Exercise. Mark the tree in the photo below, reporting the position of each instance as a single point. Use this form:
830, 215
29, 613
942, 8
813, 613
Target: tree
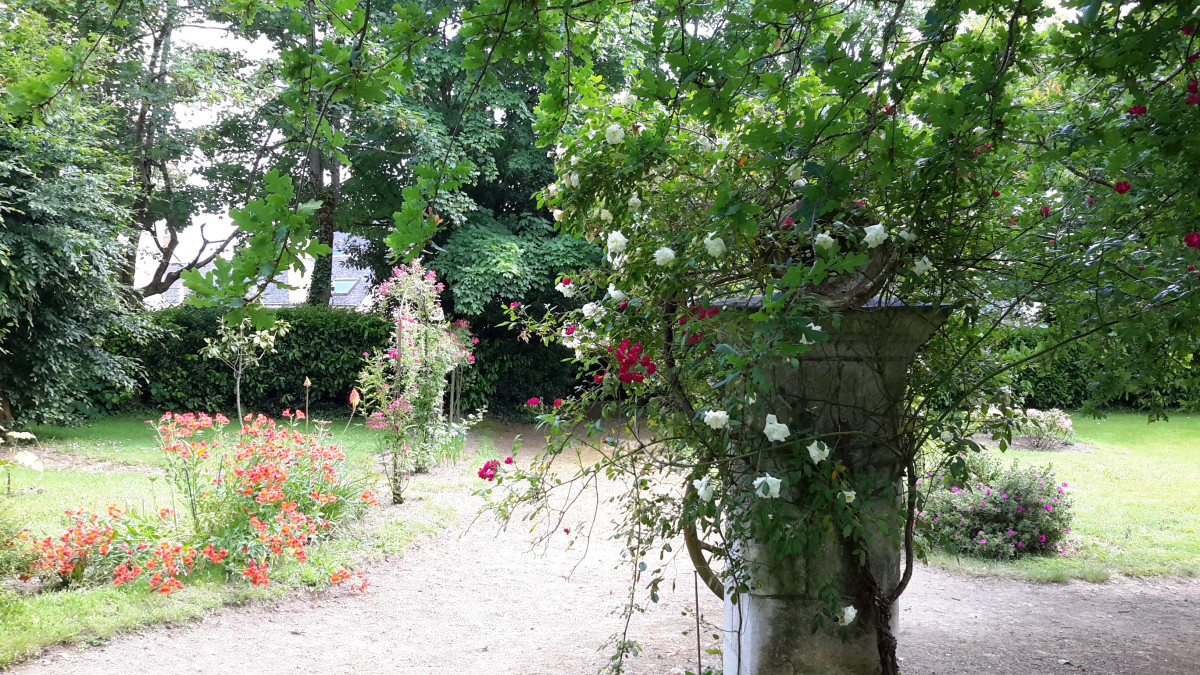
62, 222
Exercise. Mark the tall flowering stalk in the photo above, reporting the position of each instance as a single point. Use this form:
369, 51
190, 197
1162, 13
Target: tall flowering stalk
404, 385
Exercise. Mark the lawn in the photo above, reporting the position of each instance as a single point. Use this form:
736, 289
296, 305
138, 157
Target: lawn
1137, 509
29, 622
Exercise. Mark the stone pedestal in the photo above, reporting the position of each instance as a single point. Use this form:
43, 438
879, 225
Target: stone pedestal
855, 382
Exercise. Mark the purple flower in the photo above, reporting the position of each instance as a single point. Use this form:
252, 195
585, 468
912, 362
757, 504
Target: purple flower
1067, 530
1004, 496
1019, 544
1049, 507
1010, 533
1042, 538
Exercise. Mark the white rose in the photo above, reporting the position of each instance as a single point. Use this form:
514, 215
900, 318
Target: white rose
635, 203
573, 179
574, 160
907, 236
614, 134
664, 256
824, 241
616, 293
559, 214
947, 436
922, 266
625, 98
848, 495
552, 188
715, 246
818, 451
703, 490
592, 310
722, 144
847, 616
606, 215
717, 419
875, 235
767, 486
616, 243
979, 132
775, 430
568, 291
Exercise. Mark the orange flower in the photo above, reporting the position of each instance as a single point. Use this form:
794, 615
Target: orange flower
355, 397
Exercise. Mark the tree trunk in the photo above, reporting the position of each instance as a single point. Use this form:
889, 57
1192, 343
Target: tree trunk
237, 393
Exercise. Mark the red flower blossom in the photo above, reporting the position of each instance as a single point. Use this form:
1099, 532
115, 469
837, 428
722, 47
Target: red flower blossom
1188, 30
1045, 211
570, 330
995, 193
514, 304
599, 377
567, 530
1192, 240
1192, 100
557, 402
355, 397
508, 460
624, 304
488, 470
533, 401
1137, 110
1122, 187
566, 281
1193, 57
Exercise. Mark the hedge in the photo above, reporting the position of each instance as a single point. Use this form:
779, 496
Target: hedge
324, 345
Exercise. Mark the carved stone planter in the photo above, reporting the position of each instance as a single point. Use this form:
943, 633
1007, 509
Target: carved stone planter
855, 382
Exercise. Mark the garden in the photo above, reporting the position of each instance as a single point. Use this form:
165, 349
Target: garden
757, 338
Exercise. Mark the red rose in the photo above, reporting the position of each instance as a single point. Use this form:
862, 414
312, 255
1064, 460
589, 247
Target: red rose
1192, 240
533, 401
557, 402
1193, 87
1122, 187
1137, 110
1045, 211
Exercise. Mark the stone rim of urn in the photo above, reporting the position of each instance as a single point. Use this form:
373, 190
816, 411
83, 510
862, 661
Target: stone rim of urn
851, 385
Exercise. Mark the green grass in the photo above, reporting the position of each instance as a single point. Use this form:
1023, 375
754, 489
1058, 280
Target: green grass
1137, 506
95, 613
129, 440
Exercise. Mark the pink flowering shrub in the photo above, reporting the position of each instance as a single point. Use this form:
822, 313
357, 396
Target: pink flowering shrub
1000, 514
404, 386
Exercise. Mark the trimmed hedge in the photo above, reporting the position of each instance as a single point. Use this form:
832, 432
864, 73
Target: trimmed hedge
324, 345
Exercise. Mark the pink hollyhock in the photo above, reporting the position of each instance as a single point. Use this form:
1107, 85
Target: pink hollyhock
533, 401
1137, 110
1122, 187
1192, 240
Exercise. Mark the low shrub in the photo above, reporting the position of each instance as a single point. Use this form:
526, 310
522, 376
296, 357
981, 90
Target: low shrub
1046, 427
1000, 514
250, 499
15, 555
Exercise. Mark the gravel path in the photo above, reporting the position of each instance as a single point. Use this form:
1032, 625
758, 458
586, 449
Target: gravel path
479, 601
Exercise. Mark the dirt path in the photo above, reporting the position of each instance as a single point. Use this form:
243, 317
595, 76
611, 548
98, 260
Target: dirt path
481, 602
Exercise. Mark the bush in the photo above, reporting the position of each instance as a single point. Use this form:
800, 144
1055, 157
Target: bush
1001, 514
324, 345
247, 502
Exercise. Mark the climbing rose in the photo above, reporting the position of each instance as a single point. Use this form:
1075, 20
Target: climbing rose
848, 495
606, 215
1192, 240
567, 291
824, 241
616, 242
1045, 211
874, 235
774, 430
715, 246
1137, 110
614, 134
664, 256
922, 266
1193, 87
767, 486
818, 451
635, 203
558, 214
1192, 100
717, 419
557, 402
533, 401
947, 436
508, 460
847, 616
703, 490
615, 292
1122, 187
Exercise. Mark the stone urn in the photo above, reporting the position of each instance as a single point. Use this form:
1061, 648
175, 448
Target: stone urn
852, 385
